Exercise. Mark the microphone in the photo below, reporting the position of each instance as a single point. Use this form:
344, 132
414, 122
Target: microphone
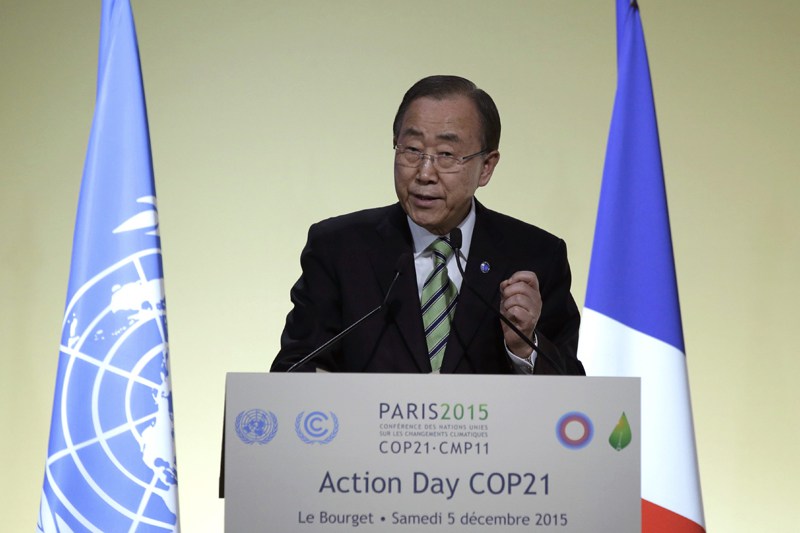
455, 242
398, 270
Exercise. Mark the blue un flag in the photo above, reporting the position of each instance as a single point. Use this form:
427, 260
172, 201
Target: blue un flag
111, 456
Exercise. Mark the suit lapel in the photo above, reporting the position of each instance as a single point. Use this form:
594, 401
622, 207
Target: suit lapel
404, 308
471, 314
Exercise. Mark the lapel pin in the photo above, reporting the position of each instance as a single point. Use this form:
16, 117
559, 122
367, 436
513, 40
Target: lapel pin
485, 267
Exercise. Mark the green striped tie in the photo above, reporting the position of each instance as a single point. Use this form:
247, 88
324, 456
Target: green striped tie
438, 303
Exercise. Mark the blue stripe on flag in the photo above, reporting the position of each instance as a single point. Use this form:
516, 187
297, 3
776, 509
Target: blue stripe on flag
632, 273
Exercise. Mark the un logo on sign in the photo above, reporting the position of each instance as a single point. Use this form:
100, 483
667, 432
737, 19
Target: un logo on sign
256, 426
316, 427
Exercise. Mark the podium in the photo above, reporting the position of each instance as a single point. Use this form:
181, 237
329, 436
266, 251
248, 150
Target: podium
438, 453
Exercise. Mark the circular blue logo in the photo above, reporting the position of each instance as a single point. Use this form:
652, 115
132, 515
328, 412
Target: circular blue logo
316, 427
574, 430
256, 426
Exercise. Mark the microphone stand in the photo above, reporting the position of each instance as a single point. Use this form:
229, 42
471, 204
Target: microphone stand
337, 337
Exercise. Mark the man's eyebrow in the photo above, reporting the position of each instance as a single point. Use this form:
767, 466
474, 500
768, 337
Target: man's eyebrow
450, 137
446, 136
411, 132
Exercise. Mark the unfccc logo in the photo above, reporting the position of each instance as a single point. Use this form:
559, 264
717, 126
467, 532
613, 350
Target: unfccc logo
574, 430
316, 427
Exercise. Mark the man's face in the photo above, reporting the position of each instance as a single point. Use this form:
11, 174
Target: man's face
440, 201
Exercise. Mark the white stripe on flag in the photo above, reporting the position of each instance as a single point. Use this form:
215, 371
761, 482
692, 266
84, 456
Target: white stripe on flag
669, 468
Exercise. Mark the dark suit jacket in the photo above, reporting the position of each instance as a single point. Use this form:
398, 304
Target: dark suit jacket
349, 262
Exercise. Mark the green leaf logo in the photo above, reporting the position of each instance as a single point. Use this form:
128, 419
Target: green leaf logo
621, 436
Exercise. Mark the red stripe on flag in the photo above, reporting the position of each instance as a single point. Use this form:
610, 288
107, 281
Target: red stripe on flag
656, 519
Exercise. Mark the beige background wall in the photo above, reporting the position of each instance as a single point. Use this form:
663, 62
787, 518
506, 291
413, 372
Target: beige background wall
266, 116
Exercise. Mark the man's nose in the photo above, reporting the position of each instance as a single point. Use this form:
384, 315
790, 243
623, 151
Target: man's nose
427, 172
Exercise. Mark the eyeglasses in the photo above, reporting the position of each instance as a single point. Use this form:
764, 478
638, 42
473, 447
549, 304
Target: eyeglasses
413, 158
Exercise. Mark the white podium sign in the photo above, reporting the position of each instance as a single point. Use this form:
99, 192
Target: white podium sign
431, 453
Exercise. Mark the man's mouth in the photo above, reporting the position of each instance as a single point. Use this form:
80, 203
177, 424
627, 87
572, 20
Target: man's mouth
424, 197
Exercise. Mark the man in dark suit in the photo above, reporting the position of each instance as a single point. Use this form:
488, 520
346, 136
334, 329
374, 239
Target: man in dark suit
446, 136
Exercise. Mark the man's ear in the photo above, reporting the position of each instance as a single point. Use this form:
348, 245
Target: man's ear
489, 164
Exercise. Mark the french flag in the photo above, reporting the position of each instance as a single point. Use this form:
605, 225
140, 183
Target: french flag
631, 320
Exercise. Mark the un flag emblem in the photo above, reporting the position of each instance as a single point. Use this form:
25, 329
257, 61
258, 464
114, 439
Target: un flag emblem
256, 426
